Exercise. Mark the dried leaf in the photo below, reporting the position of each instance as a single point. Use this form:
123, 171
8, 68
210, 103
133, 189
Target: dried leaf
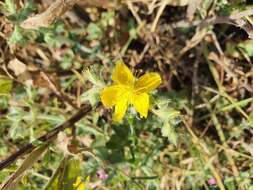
86, 140
17, 66
63, 143
191, 9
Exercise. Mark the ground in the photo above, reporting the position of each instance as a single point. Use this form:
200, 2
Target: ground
57, 57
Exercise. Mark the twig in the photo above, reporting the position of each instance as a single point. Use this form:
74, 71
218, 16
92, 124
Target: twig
134, 12
192, 8
51, 85
158, 15
47, 137
235, 19
105, 4
57, 91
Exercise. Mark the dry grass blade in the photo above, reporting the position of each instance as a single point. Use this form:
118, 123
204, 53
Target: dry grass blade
159, 13
47, 137
194, 41
236, 19
192, 8
105, 4
28, 163
206, 154
63, 142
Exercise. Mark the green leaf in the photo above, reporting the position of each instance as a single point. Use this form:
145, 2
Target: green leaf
93, 76
169, 132
72, 171
65, 176
133, 33
67, 59
224, 7
116, 143
16, 130
107, 18
94, 32
23, 13
167, 114
246, 47
117, 156
120, 139
91, 95
122, 131
18, 36
230, 183
4, 102
54, 180
9, 7
5, 86
169, 118
164, 111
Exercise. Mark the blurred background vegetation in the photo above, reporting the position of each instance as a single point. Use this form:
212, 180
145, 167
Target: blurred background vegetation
56, 56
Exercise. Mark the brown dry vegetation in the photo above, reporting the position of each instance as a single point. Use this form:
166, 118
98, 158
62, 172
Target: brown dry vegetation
202, 50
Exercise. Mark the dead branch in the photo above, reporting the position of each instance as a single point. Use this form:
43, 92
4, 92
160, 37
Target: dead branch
46, 18
51, 135
236, 19
58, 8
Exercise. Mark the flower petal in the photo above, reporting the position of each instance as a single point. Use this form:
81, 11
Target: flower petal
147, 82
120, 109
122, 75
79, 184
141, 104
110, 95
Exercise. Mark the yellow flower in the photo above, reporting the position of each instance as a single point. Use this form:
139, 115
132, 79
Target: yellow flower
126, 90
79, 184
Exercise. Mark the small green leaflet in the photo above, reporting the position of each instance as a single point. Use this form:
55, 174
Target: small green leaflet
169, 131
169, 119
